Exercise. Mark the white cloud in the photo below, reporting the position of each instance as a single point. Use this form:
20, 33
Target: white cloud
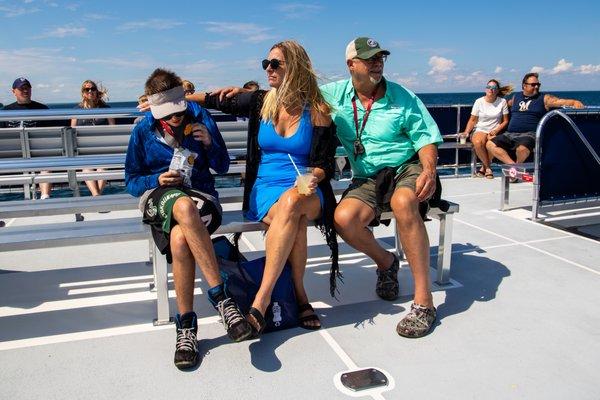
11, 12
217, 45
498, 70
537, 69
252, 33
410, 82
440, 65
197, 67
122, 62
298, 10
589, 69
561, 66
97, 16
154, 24
63, 32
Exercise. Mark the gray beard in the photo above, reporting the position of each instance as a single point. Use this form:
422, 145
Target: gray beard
374, 81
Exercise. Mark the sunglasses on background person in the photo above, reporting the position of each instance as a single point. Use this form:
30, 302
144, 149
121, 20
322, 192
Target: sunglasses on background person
492, 87
88, 90
538, 84
177, 114
274, 63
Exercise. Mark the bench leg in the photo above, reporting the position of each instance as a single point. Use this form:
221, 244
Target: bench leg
504, 190
163, 316
444, 249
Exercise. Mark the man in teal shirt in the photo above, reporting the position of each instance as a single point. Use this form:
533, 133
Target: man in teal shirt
391, 142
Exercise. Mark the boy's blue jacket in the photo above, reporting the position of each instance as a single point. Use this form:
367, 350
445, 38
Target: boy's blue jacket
148, 156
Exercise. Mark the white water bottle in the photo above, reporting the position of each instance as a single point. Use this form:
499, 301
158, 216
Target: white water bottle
276, 314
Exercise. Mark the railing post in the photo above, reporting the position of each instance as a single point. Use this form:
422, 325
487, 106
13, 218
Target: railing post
68, 138
28, 188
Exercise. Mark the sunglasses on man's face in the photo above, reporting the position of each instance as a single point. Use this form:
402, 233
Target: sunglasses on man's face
536, 84
274, 63
90, 89
177, 114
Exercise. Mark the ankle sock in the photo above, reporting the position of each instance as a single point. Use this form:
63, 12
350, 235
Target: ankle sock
188, 320
217, 294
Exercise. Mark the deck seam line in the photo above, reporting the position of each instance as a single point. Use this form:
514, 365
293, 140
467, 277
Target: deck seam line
337, 349
531, 247
493, 193
545, 226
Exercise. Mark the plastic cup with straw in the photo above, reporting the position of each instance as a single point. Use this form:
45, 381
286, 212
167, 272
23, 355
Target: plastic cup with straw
303, 179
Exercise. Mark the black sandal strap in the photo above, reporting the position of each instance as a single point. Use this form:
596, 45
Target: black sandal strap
305, 307
259, 318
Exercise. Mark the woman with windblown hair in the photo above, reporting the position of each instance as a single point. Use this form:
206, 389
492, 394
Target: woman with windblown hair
288, 124
93, 96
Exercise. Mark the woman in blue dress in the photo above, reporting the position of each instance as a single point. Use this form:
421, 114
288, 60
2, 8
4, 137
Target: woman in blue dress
289, 122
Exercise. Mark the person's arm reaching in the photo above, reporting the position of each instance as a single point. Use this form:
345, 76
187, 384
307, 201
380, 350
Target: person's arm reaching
551, 101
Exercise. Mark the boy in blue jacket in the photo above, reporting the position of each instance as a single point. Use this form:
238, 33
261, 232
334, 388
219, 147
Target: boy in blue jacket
168, 159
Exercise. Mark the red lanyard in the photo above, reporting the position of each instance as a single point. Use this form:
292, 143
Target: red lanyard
367, 112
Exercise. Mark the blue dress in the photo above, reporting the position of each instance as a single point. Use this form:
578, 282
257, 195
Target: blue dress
276, 174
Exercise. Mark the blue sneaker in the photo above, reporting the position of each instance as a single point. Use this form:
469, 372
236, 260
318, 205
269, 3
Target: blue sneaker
186, 347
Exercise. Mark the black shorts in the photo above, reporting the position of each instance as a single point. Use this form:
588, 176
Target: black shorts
509, 141
158, 209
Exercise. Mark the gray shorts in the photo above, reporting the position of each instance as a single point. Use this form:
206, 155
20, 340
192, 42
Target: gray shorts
364, 189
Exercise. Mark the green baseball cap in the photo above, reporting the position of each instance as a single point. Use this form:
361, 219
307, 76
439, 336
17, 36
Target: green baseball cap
363, 48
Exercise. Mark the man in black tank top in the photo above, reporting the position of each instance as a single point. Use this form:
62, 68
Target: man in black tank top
526, 111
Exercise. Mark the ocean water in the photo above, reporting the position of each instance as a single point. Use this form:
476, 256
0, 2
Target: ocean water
591, 98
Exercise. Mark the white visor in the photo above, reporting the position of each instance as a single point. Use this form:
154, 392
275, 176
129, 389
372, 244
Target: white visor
168, 102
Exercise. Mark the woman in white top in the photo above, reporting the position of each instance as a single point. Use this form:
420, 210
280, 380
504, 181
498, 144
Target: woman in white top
489, 117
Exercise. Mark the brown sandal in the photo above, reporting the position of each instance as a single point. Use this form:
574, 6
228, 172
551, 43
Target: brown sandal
256, 321
305, 321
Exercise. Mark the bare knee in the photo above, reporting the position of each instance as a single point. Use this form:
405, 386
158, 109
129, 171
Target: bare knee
405, 206
178, 242
522, 151
184, 209
344, 219
291, 204
479, 140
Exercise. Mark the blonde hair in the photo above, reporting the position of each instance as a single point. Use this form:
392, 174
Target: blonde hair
502, 90
100, 99
187, 85
299, 87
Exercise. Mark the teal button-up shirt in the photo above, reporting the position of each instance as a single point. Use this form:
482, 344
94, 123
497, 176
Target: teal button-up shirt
398, 126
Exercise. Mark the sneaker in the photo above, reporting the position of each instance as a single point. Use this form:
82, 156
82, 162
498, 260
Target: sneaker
186, 347
387, 281
418, 322
237, 327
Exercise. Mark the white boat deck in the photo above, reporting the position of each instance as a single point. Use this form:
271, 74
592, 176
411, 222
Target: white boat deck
520, 320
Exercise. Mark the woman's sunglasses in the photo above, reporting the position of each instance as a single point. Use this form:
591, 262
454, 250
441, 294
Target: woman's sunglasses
177, 114
492, 87
88, 90
275, 63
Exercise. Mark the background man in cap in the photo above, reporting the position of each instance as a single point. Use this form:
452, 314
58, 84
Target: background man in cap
391, 142
167, 164
526, 110
21, 88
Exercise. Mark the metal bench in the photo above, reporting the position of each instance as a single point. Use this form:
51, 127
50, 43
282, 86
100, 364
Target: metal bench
522, 171
127, 229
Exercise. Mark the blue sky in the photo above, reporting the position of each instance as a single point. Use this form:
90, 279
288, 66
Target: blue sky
436, 46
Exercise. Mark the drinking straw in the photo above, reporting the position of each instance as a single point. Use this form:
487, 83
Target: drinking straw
294, 164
